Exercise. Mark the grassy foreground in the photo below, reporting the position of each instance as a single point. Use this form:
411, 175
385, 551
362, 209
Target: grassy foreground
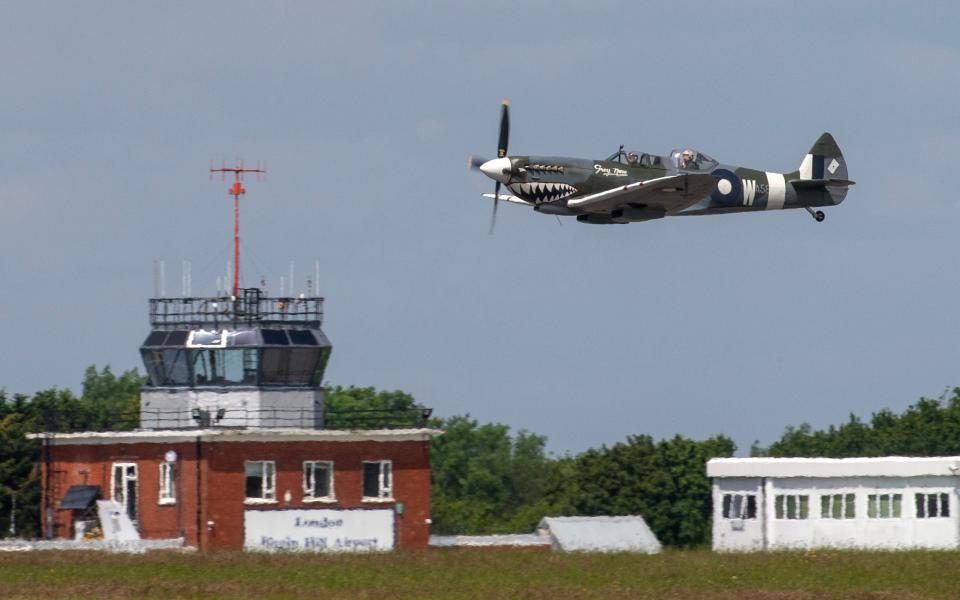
481, 574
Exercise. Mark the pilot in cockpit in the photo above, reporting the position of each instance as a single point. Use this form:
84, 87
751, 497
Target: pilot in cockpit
632, 159
688, 160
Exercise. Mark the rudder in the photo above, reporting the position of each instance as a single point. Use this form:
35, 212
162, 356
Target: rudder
824, 161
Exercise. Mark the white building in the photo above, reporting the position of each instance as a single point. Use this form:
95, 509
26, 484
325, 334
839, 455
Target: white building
877, 503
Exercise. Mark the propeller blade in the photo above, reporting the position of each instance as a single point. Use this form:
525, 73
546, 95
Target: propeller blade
504, 129
475, 162
496, 200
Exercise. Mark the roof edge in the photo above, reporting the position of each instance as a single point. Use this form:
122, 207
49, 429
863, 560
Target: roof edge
168, 436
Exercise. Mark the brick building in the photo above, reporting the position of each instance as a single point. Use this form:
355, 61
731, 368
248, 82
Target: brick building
231, 450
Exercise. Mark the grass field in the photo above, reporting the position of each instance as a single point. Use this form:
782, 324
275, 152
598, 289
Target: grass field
481, 574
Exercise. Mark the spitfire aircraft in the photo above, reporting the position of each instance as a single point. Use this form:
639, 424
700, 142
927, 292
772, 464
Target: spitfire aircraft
629, 186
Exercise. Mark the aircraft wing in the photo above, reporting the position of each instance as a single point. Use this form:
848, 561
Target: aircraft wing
670, 194
509, 198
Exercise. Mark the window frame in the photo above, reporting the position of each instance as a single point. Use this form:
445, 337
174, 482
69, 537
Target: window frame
268, 484
124, 500
747, 505
384, 481
783, 508
167, 484
309, 495
894, 505
941, 502
843, 504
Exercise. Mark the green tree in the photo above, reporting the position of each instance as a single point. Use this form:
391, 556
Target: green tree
19, 469
366, 408
930, 427
485, 480
665, 482
110, 402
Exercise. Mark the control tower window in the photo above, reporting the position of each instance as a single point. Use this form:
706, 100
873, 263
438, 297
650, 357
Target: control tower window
274, 337
289, 366
302, 338
177, 338
225, 367
167, 367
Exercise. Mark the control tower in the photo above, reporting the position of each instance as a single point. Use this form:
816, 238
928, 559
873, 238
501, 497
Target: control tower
241, 360
246, 361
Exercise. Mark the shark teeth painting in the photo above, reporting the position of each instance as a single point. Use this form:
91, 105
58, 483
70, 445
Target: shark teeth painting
538, 193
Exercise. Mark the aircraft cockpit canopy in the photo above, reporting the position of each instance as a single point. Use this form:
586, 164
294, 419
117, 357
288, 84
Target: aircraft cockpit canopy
634, 158
688, 159
642, 159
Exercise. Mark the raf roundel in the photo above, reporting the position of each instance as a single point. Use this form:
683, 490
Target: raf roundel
729, 191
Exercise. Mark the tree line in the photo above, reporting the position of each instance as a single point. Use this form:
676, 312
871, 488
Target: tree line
485, 478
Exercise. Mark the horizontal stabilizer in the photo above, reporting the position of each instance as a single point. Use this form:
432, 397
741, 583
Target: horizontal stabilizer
808, 184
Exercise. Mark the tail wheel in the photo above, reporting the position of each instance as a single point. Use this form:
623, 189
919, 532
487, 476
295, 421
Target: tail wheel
819, 216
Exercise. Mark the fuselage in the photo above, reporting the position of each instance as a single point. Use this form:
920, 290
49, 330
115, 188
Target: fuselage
549, 183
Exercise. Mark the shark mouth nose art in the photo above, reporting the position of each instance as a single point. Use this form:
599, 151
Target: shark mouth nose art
543, 192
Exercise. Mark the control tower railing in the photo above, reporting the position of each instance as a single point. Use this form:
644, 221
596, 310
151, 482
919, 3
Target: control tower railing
250, 308
70, 421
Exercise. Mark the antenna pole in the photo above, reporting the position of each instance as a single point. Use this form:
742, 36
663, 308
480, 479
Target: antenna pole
237, 190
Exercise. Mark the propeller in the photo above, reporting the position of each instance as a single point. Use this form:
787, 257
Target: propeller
493, 170
502, 141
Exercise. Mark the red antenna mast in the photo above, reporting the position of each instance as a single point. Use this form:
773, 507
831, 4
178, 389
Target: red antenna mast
236, 190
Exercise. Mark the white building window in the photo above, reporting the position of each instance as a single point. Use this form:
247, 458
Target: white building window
931, 506
168, 489
124, 487
261, 485
378, 480
792, 506
318, 481
838, 506
739, 506
884, 506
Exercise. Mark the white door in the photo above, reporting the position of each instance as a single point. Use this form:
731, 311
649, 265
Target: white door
125, 487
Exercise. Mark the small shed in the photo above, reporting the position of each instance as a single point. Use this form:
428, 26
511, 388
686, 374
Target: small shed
600, 534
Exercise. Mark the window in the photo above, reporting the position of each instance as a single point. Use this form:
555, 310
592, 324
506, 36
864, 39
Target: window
168, 490
792, 506
318, 480
739, 506
378, 480
884, 506
124, 487
261, 480
931, 506
837, 506
225, 367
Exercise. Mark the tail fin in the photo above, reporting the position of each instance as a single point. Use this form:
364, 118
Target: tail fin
824, 162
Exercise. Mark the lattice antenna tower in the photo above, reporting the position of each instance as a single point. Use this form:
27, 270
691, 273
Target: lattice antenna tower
236, 190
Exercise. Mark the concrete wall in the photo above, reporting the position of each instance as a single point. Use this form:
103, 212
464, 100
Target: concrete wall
171, 408
815, 531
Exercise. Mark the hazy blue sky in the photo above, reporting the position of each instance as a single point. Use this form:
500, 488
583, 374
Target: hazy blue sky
366, 115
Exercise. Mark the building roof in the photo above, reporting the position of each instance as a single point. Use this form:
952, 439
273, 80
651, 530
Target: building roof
170, 436
601, 534
80, 497
513, 540
879, 466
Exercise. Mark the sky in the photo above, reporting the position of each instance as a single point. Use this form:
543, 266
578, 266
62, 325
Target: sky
366, 113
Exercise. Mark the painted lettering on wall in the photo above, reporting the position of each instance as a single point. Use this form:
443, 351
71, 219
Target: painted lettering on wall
320, 530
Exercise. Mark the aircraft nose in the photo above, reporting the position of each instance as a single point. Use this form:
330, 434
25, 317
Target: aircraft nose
494, 169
